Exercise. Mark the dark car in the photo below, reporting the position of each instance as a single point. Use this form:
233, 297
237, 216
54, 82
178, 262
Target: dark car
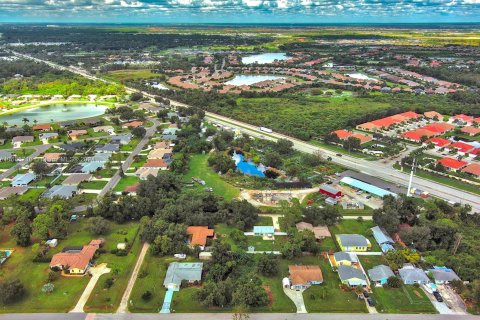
370, 302
438, 296
338, 154
365, 294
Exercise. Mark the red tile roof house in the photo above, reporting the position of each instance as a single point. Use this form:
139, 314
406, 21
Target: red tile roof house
471, 131
343, 134
461, 119
199, 235
417, 135
304, 276
156, 163
462, 147
473, 169
75, 262
133, 124
439, 142
433, 115
439, 128
452, 164
42, 127
74, 134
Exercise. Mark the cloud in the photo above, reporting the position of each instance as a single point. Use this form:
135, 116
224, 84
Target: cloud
270, 9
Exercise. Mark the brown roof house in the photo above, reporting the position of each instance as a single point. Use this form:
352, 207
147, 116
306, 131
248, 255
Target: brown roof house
321, 232
199, 235
302, 277
75, 260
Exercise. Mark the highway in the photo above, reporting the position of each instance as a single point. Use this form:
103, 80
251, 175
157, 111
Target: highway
228, 316
373, 168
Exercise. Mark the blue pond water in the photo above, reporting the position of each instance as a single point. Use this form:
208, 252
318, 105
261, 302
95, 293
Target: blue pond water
265, 58
248, 167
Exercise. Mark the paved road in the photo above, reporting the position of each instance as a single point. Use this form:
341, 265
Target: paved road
123, 307
38, 151
376, 169
128, 162
228, 316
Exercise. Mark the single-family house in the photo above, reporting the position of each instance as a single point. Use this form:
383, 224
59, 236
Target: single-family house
6, 156
439, 142
351, 276
472, 169
156, 163
380, 274
412, 275
44, 137
75, 179
7, 192
343, 258
263, 231
304, 276
122, 138
74, 134
452, 164
383, 239
133, 124
170, 134
462, 147
53, 157
74, 146
74, 261
461, 119
353, 242
107, 148
23, 179
19, 140
443, 275
320, 232
61, 191
143, 172
42, 127
470, 130
198, 235
433, 115
107, 129
178, 272
91, 167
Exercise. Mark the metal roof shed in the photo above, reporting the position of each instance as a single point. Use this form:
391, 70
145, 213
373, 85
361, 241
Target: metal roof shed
379, 192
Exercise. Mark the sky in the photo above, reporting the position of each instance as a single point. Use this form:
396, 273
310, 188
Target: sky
240, 11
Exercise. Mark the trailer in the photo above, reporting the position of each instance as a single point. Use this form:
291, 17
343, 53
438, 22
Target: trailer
266, 130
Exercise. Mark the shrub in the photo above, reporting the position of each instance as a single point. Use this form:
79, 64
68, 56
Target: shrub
394, 282
52, 276
108, 283
147, 296
11, 291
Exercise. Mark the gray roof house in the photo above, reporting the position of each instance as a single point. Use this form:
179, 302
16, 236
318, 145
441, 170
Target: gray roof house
122, 138
23, 179
343, 257
6, 155
100, 157
353, 242
384, 240
380, 274
89, 167
170, 134
443, 275
412, 275
351, 276
108, 148
47, 135
61, 191
177, 272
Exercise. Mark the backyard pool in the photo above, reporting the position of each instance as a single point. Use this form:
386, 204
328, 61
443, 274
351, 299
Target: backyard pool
264, 58
248, 167
55, 112
8, 253
249, 79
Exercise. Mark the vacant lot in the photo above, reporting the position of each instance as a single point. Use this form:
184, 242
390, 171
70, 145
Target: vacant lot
131, 74
407, 299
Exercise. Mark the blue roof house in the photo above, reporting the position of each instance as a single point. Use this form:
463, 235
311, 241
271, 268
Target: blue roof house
23, 179
383, 239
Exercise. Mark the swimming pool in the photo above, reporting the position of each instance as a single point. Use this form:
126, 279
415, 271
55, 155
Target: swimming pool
248, 167
8, 252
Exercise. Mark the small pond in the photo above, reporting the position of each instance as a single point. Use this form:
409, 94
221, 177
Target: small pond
249, 79
264, 58
56, 112
248, 167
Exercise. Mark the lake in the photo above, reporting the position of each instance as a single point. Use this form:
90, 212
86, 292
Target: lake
56, 112
264, 58
248, 79
248, 167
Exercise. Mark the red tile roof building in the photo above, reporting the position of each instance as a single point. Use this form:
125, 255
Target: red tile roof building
343, 134
473, 169
199, 235
416, 135
433, 114
471, 131
133, 124
76, 262
439, 128
462, 147
305, 275
452, 164
440, 142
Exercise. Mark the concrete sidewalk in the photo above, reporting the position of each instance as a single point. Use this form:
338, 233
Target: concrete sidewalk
96, 273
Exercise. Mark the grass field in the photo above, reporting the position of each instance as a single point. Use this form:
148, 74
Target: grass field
126, 182
107, 300
131, 74
199, 168
407, 299
94, 185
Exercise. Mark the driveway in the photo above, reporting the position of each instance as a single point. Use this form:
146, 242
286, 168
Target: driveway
297, 298
441, 307
123, 307
452, 299
96, 273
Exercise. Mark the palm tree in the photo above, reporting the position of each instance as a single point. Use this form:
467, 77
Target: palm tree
25, 120
35, 121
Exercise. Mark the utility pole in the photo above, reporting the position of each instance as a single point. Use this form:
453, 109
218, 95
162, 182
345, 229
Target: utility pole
409, 191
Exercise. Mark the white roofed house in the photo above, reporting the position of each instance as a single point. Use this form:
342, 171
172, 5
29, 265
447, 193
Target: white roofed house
44, 137
23, 179
19, 140
412, 275
443, 275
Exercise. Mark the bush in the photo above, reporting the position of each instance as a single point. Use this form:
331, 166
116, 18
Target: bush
98, 225
147, 296
108, 283
394, 282
52, 276
11, 291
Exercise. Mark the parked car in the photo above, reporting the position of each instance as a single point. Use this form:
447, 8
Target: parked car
338, 154
438, 296
365, 294
370, 302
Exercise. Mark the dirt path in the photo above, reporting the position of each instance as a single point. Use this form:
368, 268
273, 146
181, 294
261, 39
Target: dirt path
96, 273
300, 194
123, 307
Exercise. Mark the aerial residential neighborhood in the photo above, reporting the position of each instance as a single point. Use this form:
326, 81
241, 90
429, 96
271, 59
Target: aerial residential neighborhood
239, 160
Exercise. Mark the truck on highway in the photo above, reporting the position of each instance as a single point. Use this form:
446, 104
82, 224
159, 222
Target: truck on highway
266, 130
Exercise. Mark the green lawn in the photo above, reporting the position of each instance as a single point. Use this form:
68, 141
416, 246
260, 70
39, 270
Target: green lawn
266, 245
95, 185
199, 168
328, 297
264, 221
368, 262
107, 300
353, 226
407, 299
7, 164
126, 182
131, 74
